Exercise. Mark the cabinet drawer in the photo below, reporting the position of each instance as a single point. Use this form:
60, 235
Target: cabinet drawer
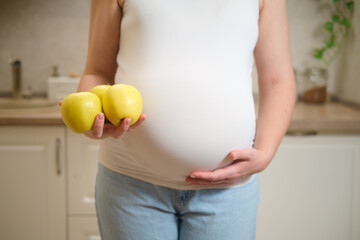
82, 168
83, 228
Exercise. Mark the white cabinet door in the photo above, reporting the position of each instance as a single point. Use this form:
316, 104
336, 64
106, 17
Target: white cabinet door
83, 228
311, 190
32, 183
83, 164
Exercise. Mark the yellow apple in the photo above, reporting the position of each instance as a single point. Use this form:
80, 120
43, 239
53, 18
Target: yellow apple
122, 101
99, 90
79, 110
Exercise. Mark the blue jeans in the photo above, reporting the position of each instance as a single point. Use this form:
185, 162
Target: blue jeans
131, 209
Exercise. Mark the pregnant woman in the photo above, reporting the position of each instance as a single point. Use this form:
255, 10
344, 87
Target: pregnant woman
189, 171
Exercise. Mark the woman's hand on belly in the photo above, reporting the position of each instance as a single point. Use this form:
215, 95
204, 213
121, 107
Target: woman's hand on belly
103, 130
246, 162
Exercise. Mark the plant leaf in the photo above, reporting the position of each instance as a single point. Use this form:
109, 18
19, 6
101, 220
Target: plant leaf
330, 43
335, 18
346, 22
318, 53
350, 5
335, 1
328, 26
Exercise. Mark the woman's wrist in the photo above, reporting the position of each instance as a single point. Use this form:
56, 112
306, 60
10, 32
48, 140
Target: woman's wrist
267, 155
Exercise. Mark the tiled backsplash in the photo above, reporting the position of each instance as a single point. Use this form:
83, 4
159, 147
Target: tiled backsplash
41, 34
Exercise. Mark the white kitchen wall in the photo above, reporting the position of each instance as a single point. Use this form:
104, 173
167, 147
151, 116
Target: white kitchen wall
348, 71
306, 19
43, 33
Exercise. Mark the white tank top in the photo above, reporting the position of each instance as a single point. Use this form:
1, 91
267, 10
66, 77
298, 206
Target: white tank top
192, 63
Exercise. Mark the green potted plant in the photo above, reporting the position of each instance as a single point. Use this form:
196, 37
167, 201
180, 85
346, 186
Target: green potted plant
336, 29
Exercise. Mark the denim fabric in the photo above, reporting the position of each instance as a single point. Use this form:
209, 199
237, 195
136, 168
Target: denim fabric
131, 209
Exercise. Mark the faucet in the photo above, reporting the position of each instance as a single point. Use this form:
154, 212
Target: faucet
16, 72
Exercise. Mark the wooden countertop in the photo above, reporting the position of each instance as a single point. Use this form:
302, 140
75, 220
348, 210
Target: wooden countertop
332, 117
40, 116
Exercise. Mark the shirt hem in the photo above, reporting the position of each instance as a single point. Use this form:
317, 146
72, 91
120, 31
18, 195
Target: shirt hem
185, 186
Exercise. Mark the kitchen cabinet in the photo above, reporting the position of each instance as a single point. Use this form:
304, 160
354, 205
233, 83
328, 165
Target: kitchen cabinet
82, 168
32, 183
83, 228
311, 190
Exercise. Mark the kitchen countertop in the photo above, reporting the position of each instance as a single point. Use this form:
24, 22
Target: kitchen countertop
332, 117
40, 116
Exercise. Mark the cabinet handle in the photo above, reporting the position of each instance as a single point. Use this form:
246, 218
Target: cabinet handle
57, 161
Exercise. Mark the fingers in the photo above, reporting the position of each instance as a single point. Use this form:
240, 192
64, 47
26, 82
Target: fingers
139, 121
122, 128
217, 177
245, 163
231, 174
241, 154
102, 130
97, 130
125, 126
215, 183
60, 102
232, 171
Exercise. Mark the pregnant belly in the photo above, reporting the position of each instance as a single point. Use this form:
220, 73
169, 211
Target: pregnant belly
193, 135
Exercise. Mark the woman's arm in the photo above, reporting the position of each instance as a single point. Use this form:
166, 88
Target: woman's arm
277, 89
276, 99
104, 36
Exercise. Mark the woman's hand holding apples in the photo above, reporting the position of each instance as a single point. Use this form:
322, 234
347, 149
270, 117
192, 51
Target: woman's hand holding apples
121, 105
103, 130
